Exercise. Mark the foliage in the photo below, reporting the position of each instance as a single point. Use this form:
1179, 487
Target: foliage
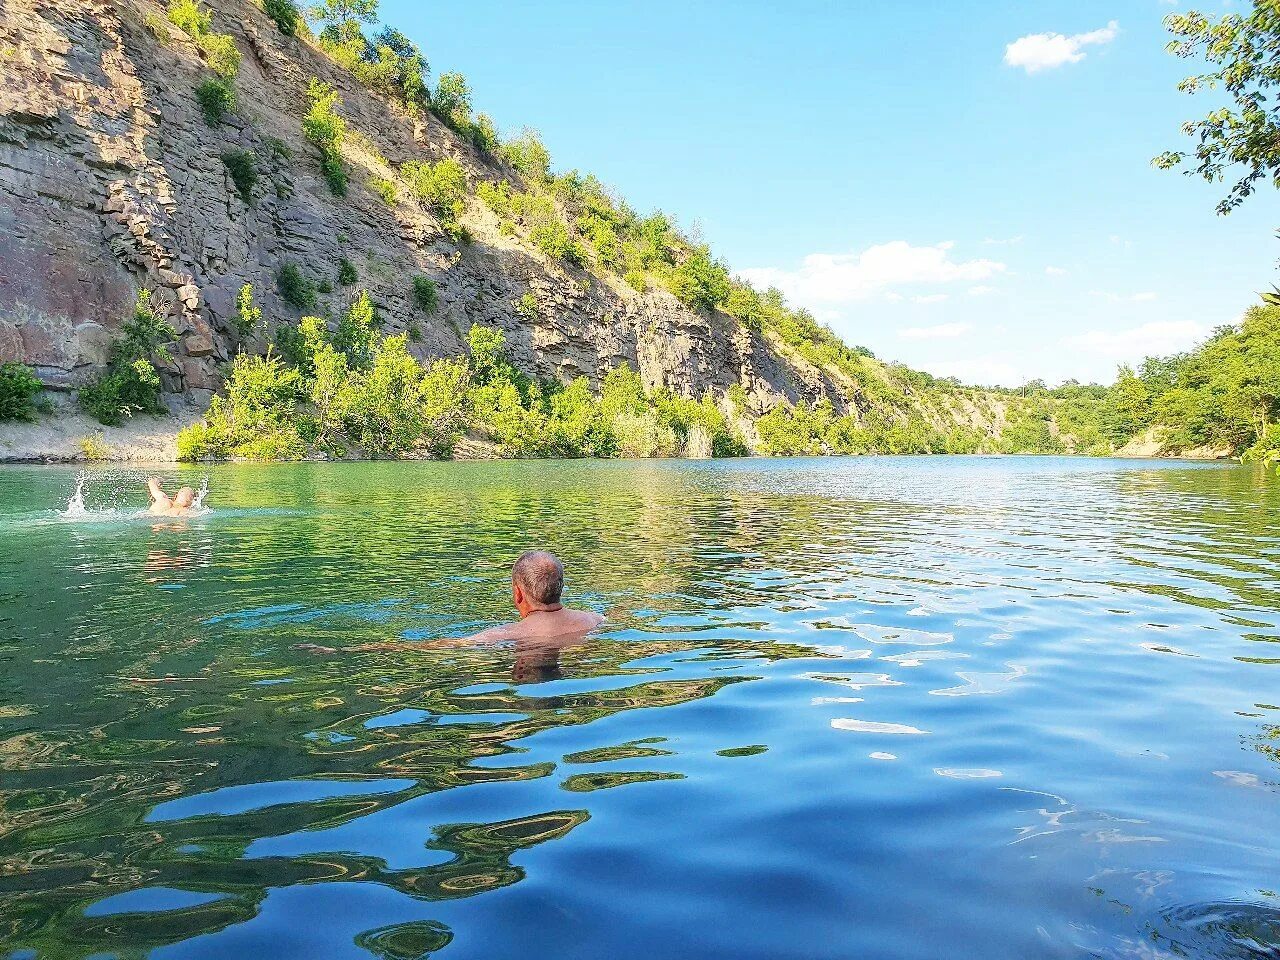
326, 129
340, 13
357, 333
347, 274
242, 168
256, 420
19, 387
94, 449
248, 315
384, 188
190, 16
527, 154
216, 98
699, 281
442, 186
222, 54
131, 383
284, 13
452, 100
1243, 53
425, 296
294, 288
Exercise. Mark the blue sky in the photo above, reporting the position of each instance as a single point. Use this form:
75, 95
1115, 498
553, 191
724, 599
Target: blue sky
952, 202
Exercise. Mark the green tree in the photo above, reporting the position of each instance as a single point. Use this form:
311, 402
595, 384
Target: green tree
452, 99
19, 386
131, 383
1243, 54
341, 13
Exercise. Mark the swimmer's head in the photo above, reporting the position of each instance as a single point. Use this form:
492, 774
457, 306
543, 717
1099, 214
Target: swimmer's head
537, 579
184, 498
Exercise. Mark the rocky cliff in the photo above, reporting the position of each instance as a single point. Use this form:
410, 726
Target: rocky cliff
111, 182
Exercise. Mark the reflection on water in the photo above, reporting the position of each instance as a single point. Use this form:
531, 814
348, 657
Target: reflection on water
1020, 707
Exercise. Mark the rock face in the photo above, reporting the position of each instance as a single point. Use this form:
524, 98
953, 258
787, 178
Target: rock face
112, 182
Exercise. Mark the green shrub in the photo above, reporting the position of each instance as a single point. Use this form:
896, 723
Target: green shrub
284, 13
248, 315
442, 186
357, 333
190, 16
242, 168
326, 129
384, 188
699, 281
157, 28
217, 98
131, 383
222, 53
637, 280
425, 296
452, 100
256, 420
528, 155
294, 288
19, 386
527, 306
347, 272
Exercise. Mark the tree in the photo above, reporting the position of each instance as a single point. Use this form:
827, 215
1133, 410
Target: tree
340, 13
1245, 137
453, 99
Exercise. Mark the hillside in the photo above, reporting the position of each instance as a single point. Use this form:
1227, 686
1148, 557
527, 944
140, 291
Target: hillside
117, 180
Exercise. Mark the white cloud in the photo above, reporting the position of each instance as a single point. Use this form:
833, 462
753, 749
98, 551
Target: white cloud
1056, 271
981, 290
1157, 337
1044, 51
930, 298
1142, 296
1002, 241
835, 278
942, 331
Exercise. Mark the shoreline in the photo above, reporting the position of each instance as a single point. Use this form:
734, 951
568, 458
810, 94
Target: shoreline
76, 439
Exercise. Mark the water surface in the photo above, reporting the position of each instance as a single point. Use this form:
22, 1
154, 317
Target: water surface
874, 708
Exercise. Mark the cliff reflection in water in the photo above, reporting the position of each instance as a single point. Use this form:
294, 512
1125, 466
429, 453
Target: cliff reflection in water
163, 737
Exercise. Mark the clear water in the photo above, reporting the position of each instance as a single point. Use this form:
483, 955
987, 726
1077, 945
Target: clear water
874, 708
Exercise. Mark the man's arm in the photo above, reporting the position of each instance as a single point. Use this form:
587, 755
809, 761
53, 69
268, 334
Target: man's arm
158, 496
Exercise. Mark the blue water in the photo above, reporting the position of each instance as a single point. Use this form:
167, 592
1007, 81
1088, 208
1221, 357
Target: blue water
875, 708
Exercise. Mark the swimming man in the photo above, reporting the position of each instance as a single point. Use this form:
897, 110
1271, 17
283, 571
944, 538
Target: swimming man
537, 582
164, 506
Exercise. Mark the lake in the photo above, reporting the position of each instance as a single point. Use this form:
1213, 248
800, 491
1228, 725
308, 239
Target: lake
873, 708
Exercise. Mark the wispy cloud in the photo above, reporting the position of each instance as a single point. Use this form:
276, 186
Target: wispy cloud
1142, 296
835, 278
981, 290
941, 331
1045, 51
1002, 241
1056, 271
1157, 337
930, 298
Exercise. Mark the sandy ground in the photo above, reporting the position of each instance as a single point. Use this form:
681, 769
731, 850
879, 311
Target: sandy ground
72, 437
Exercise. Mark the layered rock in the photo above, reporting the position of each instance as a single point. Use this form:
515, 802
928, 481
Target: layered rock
111, 182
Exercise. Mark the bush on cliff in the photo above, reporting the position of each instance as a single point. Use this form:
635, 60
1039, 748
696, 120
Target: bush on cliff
294, 288
326, 129
131, 383
19, 386
217, 98
284, 13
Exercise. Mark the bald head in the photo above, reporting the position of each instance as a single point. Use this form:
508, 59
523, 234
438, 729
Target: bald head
184, 497
540, 577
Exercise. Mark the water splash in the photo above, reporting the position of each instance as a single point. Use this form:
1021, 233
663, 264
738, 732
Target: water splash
201, 493
75, 509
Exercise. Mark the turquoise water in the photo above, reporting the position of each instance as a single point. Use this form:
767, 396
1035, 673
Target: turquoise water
881, 708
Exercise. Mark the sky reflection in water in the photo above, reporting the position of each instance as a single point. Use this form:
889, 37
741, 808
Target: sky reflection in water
882, 707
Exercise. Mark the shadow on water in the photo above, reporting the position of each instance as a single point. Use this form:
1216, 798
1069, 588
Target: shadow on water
1019, 703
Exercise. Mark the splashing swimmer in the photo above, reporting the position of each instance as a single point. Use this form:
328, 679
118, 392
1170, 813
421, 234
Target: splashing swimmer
162, 505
